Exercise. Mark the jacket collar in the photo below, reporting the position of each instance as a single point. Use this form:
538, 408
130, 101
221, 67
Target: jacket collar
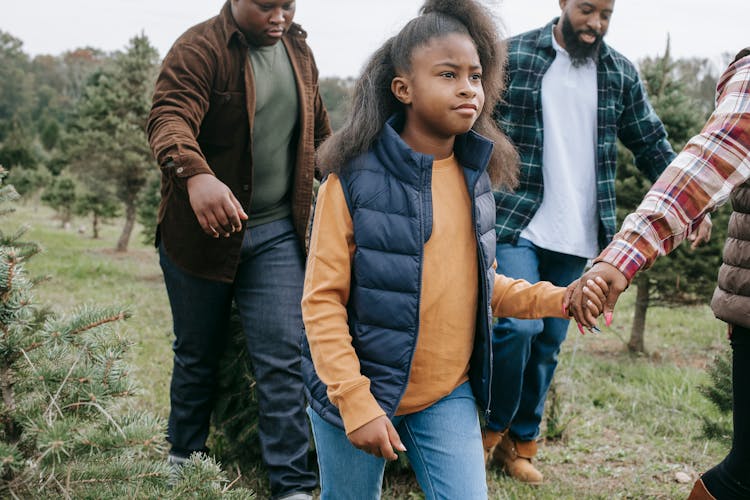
472, 151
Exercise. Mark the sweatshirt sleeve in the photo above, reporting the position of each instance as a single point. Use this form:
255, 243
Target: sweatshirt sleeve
515, 298
326, 293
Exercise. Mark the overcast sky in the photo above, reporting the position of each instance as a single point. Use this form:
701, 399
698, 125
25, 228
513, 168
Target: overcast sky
343, 33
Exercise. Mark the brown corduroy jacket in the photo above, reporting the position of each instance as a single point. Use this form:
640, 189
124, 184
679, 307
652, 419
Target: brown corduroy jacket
201, 121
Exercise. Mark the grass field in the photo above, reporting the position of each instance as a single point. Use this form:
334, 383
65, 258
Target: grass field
627, 424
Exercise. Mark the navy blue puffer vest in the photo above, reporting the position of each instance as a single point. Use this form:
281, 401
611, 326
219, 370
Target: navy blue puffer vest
388, 191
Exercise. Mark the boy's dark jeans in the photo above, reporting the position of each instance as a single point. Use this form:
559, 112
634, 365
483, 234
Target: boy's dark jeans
267, 290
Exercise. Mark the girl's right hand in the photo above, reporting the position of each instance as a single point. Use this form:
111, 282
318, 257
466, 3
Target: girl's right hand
378, 438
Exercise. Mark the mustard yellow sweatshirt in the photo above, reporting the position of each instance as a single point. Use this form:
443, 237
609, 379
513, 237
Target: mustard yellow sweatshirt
448, 307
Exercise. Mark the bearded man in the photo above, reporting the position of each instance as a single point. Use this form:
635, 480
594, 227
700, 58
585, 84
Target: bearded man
569, 98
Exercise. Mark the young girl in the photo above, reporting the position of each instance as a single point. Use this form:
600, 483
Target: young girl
400, 286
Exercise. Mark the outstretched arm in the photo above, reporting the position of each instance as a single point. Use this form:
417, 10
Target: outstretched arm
702, 176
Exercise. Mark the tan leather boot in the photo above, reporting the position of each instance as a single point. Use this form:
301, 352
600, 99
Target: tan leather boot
515, 459
490, 439
700, 492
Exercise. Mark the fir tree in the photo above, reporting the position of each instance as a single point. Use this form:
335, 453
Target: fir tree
105, 143
66, 428
719, 393
61, 195
685, 276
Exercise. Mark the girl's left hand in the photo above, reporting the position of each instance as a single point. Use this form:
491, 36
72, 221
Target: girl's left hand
593, 297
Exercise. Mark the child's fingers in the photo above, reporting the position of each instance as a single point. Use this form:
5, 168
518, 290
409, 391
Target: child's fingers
590, 312
394, 438
586, 316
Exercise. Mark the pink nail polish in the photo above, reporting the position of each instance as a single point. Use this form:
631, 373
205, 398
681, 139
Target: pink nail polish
608, 317
580, 328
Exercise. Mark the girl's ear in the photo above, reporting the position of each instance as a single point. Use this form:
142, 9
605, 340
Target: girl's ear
401, 89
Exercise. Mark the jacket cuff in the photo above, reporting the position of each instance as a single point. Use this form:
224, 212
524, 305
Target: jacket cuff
554, 305
358, 407
184, 167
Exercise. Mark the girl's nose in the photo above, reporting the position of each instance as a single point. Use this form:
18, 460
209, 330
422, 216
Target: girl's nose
467, 90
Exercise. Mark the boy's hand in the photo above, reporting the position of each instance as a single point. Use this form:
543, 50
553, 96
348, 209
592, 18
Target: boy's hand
218, 211
378, 438
593, 297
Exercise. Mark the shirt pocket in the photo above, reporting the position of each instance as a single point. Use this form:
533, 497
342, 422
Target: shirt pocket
226, 120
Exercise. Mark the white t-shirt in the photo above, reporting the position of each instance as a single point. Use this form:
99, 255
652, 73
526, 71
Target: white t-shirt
567, 220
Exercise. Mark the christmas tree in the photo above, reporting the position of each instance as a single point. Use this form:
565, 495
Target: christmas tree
67, 427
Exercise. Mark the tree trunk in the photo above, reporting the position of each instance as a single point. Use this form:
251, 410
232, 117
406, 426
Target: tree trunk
122, 243
636, 343
95, 226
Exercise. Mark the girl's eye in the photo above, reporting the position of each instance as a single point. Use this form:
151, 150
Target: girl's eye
476, 76
448, 74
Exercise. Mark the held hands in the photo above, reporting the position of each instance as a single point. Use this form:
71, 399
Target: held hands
602, 277
378, 438
218, 211
593, 295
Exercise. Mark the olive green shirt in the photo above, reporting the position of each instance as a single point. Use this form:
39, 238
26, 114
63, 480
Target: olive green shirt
275, 125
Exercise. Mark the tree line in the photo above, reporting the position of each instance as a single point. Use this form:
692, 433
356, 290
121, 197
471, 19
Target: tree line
72, 136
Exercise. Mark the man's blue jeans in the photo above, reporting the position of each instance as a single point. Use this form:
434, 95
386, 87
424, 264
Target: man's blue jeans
525, 351
267, 290
443, 443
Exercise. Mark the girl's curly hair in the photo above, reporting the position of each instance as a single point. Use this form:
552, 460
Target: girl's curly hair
373, 102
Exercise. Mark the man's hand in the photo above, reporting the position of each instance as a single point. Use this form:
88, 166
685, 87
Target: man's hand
702, 234
615, 281
218, 211
378, 438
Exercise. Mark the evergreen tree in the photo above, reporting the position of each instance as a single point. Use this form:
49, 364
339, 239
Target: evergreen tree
66, 428
719, 393
685, 276
61, 196
105, 140
148, 209
16, 86
98, 206
336, 94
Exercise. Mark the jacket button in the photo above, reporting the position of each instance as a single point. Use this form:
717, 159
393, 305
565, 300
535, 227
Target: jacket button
180, 170
246, 187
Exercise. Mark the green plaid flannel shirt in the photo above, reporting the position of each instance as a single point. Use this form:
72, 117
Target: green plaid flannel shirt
623, 112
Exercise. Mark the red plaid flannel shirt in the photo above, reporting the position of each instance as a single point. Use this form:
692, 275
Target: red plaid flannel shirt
699, 179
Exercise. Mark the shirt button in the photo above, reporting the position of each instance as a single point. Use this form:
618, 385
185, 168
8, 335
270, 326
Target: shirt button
180, 170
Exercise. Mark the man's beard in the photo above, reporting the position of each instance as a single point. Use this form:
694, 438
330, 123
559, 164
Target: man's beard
580, 52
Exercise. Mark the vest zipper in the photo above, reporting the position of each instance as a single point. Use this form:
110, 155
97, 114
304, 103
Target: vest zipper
487, 298
421, 267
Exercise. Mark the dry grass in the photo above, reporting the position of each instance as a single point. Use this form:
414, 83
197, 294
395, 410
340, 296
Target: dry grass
629, 423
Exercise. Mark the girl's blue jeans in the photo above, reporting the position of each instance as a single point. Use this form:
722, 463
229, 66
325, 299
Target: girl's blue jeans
443, 443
